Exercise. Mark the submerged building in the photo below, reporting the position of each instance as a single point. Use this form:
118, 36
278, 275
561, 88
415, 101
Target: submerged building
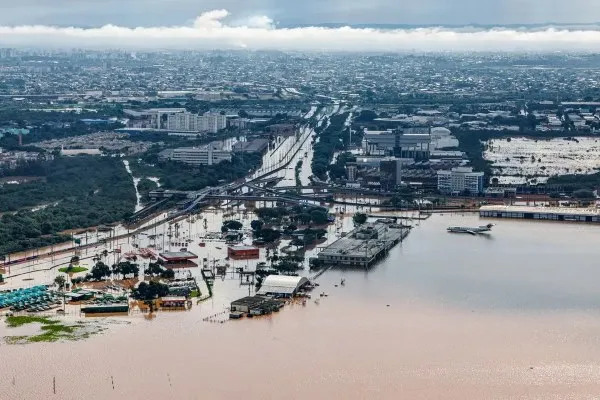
282, 285
363, 246
591, 215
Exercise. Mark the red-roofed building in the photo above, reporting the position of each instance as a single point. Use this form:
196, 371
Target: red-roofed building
178, 259
243, 252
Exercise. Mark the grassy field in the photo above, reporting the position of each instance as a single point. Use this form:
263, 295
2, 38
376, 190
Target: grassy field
52, 330
16, 321
73, 270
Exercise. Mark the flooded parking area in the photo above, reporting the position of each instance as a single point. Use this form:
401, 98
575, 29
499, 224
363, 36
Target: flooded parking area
521, 160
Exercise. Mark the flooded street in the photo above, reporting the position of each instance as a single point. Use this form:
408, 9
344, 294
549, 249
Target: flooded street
520, 160
512, 315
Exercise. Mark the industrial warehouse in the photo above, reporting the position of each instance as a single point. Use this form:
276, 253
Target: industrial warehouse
542, 213
365, 245
267, 299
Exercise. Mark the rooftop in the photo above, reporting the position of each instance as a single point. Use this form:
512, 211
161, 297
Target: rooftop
353, 246
249, 301
175, 255
240, 248
282, 284
547, 210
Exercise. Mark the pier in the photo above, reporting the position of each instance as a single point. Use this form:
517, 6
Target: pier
364, 246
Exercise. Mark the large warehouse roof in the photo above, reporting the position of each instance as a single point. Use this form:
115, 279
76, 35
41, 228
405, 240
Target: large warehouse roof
282, 284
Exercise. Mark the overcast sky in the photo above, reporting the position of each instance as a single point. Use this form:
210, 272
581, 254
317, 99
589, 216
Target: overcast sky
179, 12
265, 24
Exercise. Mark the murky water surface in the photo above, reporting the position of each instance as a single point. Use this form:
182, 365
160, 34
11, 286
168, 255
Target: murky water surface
512, 315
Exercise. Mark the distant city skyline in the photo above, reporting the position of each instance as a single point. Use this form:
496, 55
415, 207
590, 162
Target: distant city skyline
146, 13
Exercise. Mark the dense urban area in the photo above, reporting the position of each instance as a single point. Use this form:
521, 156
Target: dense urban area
112, 144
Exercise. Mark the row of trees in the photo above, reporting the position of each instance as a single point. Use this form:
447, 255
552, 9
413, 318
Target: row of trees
102, 271
333, 138
304, 215
173, 176
155, 269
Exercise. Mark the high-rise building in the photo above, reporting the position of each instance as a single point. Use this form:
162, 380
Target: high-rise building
413, 144
351, 172
390, 174
188, 122
460, 179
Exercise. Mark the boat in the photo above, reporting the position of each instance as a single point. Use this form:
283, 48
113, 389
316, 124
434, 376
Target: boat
470, 230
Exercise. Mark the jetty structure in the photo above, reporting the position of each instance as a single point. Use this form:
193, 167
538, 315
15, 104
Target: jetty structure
564, 214
365, 245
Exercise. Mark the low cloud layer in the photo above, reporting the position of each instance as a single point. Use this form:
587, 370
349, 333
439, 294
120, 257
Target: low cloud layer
209, 31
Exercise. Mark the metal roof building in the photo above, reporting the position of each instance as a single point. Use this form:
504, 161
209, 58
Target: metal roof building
282, 285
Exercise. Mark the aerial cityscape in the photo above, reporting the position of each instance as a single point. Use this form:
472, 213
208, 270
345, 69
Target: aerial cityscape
349, 208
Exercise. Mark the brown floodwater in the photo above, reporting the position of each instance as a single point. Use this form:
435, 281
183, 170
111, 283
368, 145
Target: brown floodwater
512, 315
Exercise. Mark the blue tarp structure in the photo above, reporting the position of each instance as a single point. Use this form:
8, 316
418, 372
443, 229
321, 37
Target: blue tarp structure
22, 296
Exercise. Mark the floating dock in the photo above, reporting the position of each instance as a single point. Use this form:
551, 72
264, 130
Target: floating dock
365, 245
566, 214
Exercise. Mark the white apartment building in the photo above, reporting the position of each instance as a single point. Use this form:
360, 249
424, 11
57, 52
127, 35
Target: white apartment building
460, 179
206, 155
188, 122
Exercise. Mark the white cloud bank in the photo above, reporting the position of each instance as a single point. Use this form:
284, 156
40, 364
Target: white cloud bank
209, 31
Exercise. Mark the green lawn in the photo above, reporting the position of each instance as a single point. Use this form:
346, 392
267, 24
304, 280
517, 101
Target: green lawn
73, 270
195, 293
52, 330
16, 321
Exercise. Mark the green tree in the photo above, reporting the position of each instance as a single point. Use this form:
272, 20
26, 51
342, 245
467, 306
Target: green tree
319, 217
154, 269
100, 271
167, 274
366, 116
151, 291
359, 218
233, 225
256, 225
269, 235
60, 281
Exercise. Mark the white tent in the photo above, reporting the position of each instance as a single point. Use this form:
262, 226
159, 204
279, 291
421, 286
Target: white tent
282, 285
